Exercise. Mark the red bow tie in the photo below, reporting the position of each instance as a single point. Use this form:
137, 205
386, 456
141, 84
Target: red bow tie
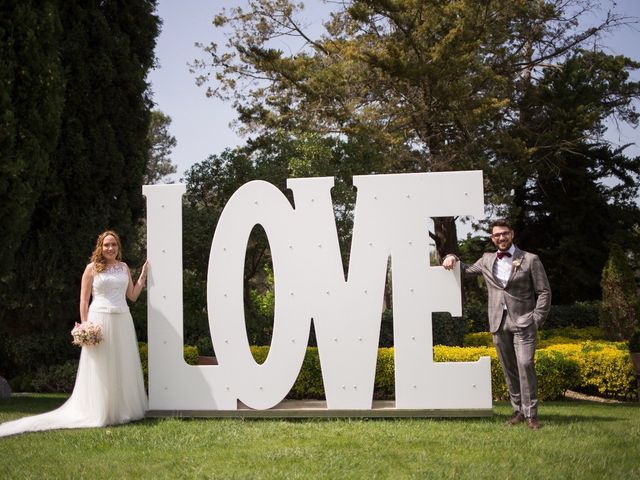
502, 254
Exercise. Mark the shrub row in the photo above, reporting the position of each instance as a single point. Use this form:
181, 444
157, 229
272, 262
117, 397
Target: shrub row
605, 367
601, 368
578, 315
61, 378
556, 373
47, 379
546, 337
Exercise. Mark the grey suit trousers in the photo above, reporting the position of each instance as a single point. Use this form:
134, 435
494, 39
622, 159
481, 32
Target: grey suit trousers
516, 348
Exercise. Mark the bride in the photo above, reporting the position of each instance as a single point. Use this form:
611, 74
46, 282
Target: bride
109, 387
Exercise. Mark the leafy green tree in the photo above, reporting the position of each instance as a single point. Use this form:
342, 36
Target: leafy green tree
31, 101
161, 144
273, 158
620, 308
210, 184
95, 169
431, 84
573, 193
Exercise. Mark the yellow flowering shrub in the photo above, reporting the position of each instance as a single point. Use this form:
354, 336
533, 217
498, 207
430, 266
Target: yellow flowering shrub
546, 337
556, 373
605, 367
602, 368
385, 374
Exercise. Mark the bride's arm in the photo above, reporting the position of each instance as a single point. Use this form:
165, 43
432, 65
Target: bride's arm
133, 291
85, 292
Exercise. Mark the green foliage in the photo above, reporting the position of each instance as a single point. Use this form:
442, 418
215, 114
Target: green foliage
196, 321
55, 378
620, 309
61, 377
27, 353
579, 315
191, 354
265, 301
31, 103
210, 184
546, 337
440, 86
560, 171
143, 349
384, 386
272, 158
447, 330
556, 374
478, 339
605, 368
161, 144
82, 105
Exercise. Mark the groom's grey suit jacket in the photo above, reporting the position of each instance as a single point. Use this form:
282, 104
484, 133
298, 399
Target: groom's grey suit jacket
527, 293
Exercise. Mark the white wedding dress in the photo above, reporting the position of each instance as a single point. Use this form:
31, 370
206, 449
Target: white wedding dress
109, 386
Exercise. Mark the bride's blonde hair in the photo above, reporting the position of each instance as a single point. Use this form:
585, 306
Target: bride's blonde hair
99, 262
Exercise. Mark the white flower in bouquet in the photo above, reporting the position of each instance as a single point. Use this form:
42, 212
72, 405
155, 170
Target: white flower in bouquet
86, 334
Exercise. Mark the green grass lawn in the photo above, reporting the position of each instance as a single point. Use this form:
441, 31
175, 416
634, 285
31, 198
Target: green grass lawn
578, 440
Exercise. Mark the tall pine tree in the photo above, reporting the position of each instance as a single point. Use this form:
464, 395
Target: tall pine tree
95, 170
31, 99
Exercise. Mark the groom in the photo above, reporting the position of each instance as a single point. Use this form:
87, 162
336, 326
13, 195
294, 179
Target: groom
519, 301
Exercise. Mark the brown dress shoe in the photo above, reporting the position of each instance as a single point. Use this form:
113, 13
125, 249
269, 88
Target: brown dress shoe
516, 418
533, 423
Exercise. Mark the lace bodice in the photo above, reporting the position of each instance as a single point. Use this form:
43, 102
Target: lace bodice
108, 293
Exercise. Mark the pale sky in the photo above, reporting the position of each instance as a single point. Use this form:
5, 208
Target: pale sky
201, 124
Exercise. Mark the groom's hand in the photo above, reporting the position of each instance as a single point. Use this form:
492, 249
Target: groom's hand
449, 262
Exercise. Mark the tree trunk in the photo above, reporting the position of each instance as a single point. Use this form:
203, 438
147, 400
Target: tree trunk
446, 237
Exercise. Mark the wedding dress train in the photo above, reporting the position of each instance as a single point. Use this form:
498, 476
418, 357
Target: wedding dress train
109, 387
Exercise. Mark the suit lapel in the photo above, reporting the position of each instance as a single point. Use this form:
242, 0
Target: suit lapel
518, 258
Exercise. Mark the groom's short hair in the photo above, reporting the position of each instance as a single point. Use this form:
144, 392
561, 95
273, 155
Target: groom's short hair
500, 222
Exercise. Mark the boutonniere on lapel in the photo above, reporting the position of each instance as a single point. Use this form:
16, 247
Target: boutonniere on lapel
516, 264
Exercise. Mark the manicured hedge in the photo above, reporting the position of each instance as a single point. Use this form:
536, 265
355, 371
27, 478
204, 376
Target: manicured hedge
578, 315
61, 378
601, 368
605, 367
556, 373
546, 337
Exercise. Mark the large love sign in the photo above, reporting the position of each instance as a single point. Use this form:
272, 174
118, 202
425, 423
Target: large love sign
390, 222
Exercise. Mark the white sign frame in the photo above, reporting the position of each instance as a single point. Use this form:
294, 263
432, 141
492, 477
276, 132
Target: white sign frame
390, 221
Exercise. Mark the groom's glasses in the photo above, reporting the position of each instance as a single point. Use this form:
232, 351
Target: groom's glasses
501, 234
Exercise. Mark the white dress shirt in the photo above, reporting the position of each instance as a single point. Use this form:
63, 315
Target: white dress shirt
502, 267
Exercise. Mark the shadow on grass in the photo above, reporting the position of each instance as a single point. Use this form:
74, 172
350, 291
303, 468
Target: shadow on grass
552, 413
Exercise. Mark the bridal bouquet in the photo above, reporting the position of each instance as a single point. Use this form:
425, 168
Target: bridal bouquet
86, 334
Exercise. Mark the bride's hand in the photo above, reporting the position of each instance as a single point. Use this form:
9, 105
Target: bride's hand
143, 273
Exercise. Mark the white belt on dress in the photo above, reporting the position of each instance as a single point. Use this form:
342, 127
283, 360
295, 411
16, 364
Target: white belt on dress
107, 309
